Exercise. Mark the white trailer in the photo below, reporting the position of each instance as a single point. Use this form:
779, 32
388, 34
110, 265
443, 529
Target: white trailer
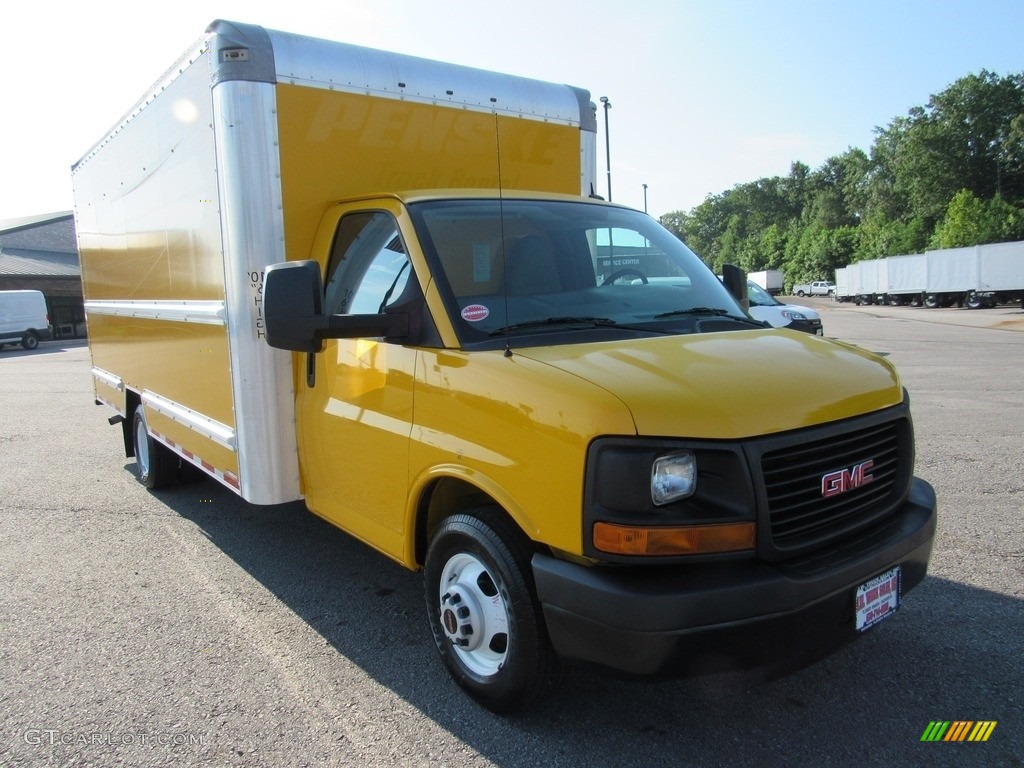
952, 274
906, 279
842, 285
769, 279
863, 283
1000, 275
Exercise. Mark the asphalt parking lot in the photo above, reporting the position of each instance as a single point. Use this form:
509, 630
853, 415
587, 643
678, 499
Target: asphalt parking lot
186, 627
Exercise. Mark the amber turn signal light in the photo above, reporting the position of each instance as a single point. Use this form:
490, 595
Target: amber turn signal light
688, 540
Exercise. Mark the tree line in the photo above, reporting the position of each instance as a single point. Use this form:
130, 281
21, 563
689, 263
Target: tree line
945, 175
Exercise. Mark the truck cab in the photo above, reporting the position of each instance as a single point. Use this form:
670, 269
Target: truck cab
542, 408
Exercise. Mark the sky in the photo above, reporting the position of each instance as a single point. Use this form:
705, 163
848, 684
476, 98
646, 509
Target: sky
705, 94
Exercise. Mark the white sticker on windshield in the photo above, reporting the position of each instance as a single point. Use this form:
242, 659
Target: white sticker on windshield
475, 313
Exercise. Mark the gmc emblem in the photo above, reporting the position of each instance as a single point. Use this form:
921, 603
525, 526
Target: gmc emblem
843, 480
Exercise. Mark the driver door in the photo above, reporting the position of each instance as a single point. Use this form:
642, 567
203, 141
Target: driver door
355, 422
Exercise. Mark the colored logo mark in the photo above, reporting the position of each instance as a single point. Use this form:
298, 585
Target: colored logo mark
958, 730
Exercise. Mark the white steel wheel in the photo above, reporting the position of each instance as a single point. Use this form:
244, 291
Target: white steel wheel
473, 614
487, 623
156, 464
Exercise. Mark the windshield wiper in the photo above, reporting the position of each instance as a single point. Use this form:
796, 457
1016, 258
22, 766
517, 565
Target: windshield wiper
695, 311
589, 322
714, 311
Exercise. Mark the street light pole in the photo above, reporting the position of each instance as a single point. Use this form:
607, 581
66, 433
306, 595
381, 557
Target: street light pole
645, 198
607, 146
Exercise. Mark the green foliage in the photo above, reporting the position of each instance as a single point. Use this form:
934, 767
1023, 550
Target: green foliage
947, 174
970, 221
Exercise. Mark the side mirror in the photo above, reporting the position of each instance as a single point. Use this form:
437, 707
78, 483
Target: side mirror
293, 304
735, 280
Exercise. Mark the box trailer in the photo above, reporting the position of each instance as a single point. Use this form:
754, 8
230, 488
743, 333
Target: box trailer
952, 274
382, 285
1000, 275
842, 292
906, 279
769, 279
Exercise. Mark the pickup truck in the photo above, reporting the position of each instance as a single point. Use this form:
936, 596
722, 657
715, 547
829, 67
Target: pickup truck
817, 288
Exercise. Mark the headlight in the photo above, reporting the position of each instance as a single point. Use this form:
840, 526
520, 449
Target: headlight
791, 315
673, 477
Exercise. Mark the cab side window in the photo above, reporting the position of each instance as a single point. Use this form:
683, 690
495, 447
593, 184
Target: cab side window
368, 268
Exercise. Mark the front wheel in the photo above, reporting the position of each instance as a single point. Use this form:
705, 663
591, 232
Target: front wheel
486, 622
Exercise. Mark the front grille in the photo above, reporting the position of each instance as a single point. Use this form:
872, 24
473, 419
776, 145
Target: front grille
801, 516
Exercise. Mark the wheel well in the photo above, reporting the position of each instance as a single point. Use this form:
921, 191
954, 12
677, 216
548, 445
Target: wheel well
132, 400
443, 498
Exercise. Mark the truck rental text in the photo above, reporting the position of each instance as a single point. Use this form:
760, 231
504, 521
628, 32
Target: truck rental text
383, 286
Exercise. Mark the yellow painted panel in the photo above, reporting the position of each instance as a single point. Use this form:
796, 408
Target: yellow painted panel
211, 452
515, 428
184, 362
337, 146
353, 432
732, 385
109, 394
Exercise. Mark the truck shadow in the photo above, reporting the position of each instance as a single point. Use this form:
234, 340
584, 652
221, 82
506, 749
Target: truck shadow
952, 653
45, 348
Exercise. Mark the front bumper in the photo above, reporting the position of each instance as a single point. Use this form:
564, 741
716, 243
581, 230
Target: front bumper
813, 327
706, 618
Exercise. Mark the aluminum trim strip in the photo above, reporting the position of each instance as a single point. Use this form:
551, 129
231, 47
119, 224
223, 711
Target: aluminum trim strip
108, 378
204, 312
197, 422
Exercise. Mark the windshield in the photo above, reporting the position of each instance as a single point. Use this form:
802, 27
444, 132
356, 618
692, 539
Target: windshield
759, 297
525, 267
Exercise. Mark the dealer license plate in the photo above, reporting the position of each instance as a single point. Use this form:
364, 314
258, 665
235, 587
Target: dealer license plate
878, 599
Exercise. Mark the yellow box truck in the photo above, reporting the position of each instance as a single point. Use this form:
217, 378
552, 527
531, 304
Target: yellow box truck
383, 285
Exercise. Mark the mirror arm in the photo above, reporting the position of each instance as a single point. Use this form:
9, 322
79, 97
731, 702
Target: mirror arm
365, 326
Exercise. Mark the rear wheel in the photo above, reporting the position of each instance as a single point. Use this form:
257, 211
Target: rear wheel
30, 340
156, 465
486, 622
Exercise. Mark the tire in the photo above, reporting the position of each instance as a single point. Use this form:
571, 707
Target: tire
156, 465
932, 301
801, 294
30, 341
974, 301
486, 622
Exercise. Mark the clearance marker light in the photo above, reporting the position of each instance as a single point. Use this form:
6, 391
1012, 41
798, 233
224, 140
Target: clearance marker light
688, 540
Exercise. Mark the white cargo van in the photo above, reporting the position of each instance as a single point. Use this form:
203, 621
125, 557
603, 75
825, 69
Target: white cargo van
23, 319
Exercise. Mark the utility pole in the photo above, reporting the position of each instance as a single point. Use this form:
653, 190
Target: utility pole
607, 146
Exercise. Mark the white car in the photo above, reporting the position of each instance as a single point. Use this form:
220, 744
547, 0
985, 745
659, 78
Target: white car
768, 309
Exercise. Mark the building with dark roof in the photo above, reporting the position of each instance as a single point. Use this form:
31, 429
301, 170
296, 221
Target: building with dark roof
41, 253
